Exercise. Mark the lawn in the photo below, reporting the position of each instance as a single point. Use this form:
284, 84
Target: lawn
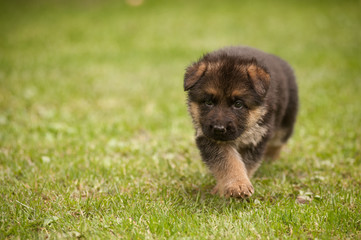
96, 142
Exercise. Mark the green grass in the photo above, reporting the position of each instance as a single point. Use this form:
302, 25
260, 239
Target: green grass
95, 140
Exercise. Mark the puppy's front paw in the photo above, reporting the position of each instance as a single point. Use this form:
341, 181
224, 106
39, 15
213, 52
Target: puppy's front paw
238, 189
235, 188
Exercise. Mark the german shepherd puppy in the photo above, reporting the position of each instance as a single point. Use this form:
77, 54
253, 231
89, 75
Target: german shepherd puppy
243, 103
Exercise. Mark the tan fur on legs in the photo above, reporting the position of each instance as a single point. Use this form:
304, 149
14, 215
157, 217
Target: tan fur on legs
232, 177
272, 152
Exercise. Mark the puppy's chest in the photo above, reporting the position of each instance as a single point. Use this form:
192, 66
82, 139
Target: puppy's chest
252, 136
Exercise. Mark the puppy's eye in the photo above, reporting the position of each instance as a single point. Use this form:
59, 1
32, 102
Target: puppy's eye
209, 103
238, 104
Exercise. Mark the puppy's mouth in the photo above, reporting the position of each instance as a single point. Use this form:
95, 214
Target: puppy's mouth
221, 138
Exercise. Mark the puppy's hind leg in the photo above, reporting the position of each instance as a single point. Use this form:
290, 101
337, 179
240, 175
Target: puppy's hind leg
274, 146
272, 152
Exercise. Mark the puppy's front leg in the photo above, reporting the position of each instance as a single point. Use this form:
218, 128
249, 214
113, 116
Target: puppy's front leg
228, 168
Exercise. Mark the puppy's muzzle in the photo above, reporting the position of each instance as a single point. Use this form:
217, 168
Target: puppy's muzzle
221, 132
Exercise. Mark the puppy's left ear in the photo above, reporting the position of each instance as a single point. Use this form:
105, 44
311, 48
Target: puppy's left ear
193, 73
260, 78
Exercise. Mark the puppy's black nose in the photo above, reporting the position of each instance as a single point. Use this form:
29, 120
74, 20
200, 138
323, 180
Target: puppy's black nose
219, 129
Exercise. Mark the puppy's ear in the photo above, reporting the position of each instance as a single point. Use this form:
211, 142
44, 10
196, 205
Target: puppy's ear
260, 78
193, 73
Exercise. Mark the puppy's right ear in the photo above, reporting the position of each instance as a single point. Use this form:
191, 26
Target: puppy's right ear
193, 73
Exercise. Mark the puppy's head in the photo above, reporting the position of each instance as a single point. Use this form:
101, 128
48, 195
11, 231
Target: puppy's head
225, 95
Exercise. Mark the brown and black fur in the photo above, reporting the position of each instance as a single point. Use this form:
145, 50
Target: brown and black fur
243, 103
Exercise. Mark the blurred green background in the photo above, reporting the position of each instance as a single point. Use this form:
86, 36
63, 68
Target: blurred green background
94, 129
